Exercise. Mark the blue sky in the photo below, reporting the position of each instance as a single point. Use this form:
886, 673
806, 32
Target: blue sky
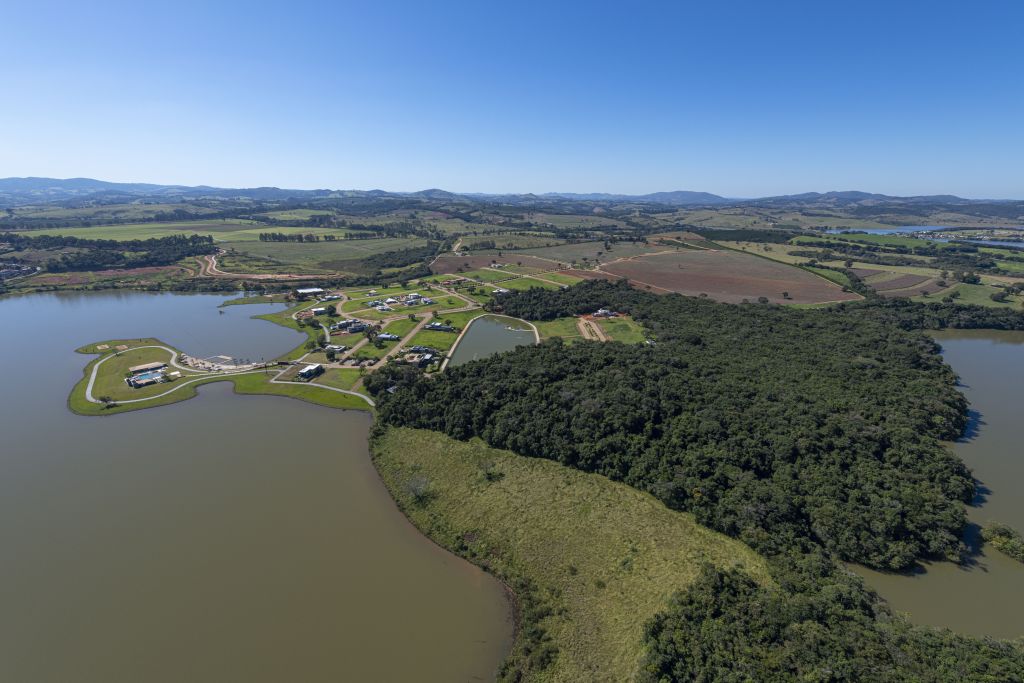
736, 98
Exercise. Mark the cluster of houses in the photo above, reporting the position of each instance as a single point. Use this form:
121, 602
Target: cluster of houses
349, 326
411, 299
9, 271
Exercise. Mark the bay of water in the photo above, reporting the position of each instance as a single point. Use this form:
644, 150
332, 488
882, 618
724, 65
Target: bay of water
220, 539
985, 597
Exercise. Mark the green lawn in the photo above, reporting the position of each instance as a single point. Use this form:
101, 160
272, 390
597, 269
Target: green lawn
442, 341
402, 327
559, 327
602, 556
562, 278
524, 283
342, 378
623, 329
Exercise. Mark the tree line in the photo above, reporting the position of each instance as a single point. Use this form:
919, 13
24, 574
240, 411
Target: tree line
89, 254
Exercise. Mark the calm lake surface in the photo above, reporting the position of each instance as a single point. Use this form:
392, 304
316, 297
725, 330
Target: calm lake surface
220, 539
491, 334
986, 598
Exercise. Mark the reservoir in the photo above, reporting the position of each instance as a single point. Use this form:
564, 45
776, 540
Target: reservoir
490, 334
986, 597
223, 538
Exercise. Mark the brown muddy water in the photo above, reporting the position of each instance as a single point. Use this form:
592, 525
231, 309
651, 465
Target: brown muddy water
985, 597
491, 334
220, 539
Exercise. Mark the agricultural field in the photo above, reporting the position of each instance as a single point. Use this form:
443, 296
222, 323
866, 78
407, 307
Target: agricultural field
220, 230
458, 264
488, 275
727, 276
570, 221
510, 242
603, 556
583, 252
319, 256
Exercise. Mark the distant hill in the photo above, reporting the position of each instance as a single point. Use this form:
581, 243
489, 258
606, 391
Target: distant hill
22, 191
675, 198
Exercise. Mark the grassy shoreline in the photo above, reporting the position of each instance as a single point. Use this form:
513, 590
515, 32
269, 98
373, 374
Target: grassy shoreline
590, 561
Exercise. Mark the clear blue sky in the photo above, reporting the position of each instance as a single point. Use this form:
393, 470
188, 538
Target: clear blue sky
736, 98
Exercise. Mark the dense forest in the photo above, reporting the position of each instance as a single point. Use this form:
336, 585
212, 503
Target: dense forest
785, 428
77, 254
819, 624
812, 435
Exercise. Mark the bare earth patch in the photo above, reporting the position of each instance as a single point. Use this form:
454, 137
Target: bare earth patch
726, 276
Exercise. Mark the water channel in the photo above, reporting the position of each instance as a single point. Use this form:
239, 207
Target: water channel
985, 597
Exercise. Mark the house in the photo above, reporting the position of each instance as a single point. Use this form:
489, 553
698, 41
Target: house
337, 348
414, 296
311, 371
357, 327
147, 367
309, 291
342, 325
318, 311
605, 313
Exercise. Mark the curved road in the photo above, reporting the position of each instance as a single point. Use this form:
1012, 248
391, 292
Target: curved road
174, 356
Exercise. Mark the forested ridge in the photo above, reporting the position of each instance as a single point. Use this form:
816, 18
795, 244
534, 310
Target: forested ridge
78, 254
811, 435
781, 427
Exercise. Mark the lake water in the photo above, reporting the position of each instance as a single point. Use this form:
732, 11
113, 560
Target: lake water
986, 597
901, 229
491, 334
223, 538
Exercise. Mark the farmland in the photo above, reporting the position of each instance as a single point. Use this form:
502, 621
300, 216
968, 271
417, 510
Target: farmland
727, 276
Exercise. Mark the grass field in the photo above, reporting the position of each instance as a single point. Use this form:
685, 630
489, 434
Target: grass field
221, 230
622, 329
841, 279
559, 327
604, 557
562, 278
527, 283
510, 241
442, 341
